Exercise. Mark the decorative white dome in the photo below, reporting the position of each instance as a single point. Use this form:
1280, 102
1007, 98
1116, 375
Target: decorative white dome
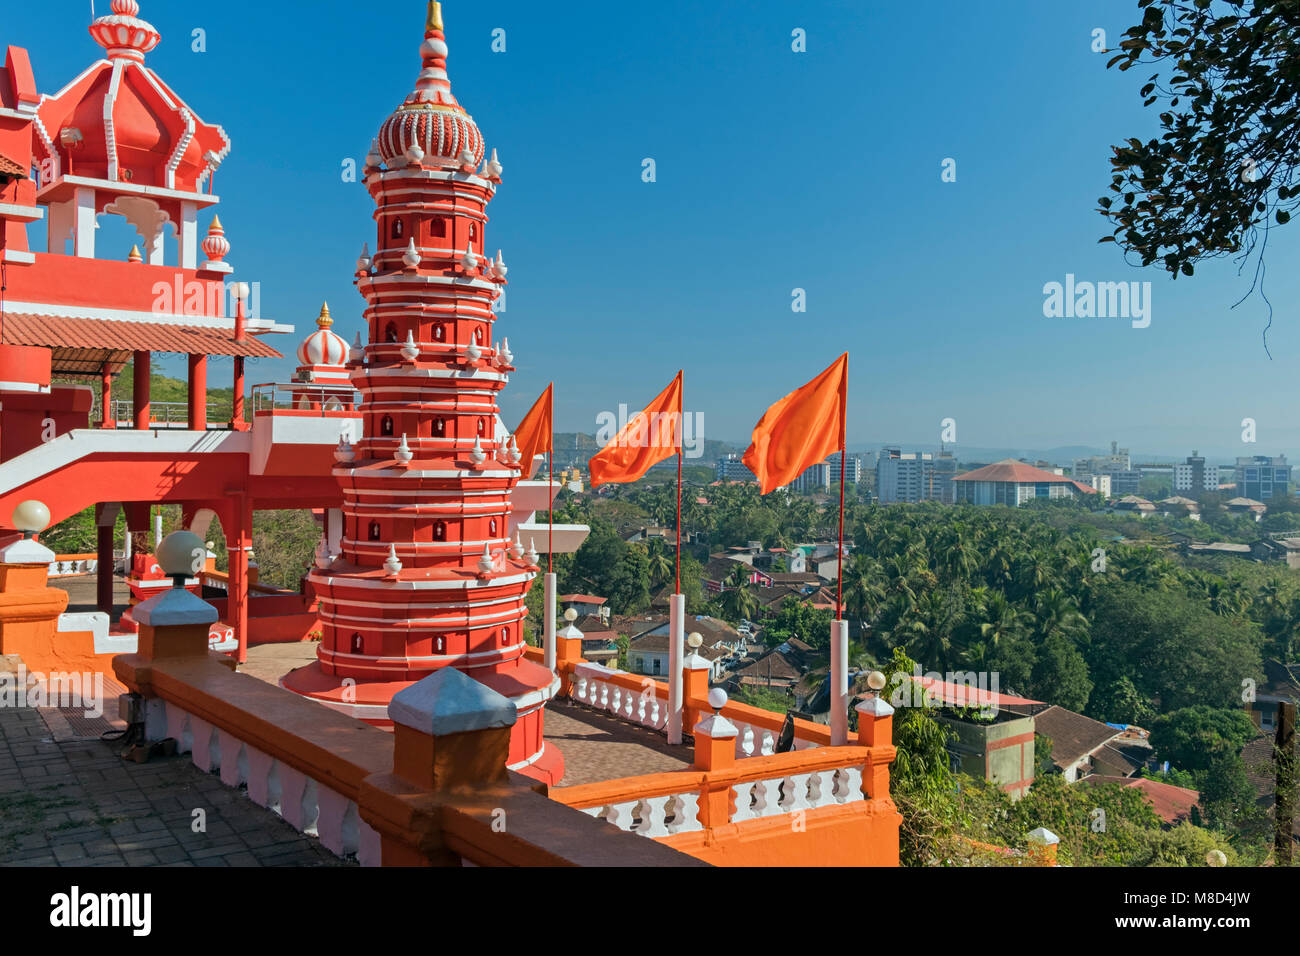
324, 347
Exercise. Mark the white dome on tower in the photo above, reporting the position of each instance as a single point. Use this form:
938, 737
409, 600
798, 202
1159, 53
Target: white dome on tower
324, 347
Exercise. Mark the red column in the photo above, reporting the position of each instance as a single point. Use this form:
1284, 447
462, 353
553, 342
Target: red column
237, 416
239, 539
106, 417
198, 396
104, 564
141, 389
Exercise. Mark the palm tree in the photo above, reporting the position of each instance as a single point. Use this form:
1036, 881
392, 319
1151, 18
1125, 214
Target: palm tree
662, 564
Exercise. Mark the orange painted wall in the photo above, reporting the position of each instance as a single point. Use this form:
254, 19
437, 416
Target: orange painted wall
856, 834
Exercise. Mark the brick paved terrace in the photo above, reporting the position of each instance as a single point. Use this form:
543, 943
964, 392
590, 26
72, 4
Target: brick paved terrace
70, 800
596, 746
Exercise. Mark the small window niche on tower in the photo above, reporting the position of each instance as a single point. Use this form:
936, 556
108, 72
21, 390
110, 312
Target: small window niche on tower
438, 227
398, 229
357, 645
374, 531
482, 427
439, 428
440, 531
439, 332
390, 332
473, 232
386, 426
492, 528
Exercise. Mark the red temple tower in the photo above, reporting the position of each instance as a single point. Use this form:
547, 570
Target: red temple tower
428, 576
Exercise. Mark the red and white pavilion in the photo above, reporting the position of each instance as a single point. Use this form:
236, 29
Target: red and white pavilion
428, 575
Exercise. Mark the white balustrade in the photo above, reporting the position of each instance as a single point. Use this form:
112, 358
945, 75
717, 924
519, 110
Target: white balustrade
659, 816
303, 803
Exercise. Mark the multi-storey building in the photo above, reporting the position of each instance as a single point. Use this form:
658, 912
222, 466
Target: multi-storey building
1013, 483
1262, 478
732, 468
1195, 475
852, 469
903, 476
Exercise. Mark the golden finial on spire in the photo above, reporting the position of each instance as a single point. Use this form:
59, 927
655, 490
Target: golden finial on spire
324, 321
434, 21
134, 255
216, 224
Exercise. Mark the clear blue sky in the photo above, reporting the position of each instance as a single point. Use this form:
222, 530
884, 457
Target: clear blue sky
775, 170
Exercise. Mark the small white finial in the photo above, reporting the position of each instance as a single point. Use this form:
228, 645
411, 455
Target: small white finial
392, 565
493, 168
517, 548
344, 451
363, 260
513, 454
373, 159
322, 554
485, 562
412, 255
414, 154
531, 554
410, 351
403, 452
473, 352
467, 160
499, 267
358, 352
469, 261
476, 455
507, 356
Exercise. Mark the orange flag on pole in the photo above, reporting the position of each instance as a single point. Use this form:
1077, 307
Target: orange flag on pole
648, 438
801, 430
533, 436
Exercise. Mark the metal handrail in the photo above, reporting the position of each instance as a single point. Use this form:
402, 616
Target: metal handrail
272, 396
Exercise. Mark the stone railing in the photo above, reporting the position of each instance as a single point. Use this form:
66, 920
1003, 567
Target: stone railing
642, 700
658, 805
67, 565
436, 791
819, 806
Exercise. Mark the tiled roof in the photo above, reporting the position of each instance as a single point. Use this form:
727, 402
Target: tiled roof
62, 332
1073, 736
9, 167
581, 599
773, 664
1172, 804
964, 695
1011, 470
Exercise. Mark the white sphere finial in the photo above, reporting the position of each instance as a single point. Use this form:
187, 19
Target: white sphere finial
181, 554
32, 517
717, 699
571, 615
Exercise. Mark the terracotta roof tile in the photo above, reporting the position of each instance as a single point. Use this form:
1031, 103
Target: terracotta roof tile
62, 332
1012, 470
9, 167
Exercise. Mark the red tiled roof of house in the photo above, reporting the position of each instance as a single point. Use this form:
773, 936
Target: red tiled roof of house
1172, 804
963, 695
581, 599
62, 332
1011, 470
1086, 489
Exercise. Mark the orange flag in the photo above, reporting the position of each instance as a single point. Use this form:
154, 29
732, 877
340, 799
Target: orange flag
800, 430
533, 436
648, 438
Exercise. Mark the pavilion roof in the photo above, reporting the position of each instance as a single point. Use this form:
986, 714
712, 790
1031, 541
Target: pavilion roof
84, 346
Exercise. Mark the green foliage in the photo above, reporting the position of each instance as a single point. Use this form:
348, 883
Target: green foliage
774, 700
799, 619
1192, 738
1225, 162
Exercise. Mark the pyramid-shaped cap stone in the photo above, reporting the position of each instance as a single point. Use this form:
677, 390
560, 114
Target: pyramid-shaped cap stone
173, 608
450, 702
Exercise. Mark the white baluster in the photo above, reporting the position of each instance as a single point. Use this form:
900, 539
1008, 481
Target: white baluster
629, 701
769, 743
604, 696
619, 814
768, 796
743, 797
821, 788
794, 793
642, 709
652, 813
685, 809
580, 689
615, 699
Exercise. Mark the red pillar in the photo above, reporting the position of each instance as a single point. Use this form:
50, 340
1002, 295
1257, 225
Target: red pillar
141, 389
237, 417
104, 563
239, 540
198, 397
106, 417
